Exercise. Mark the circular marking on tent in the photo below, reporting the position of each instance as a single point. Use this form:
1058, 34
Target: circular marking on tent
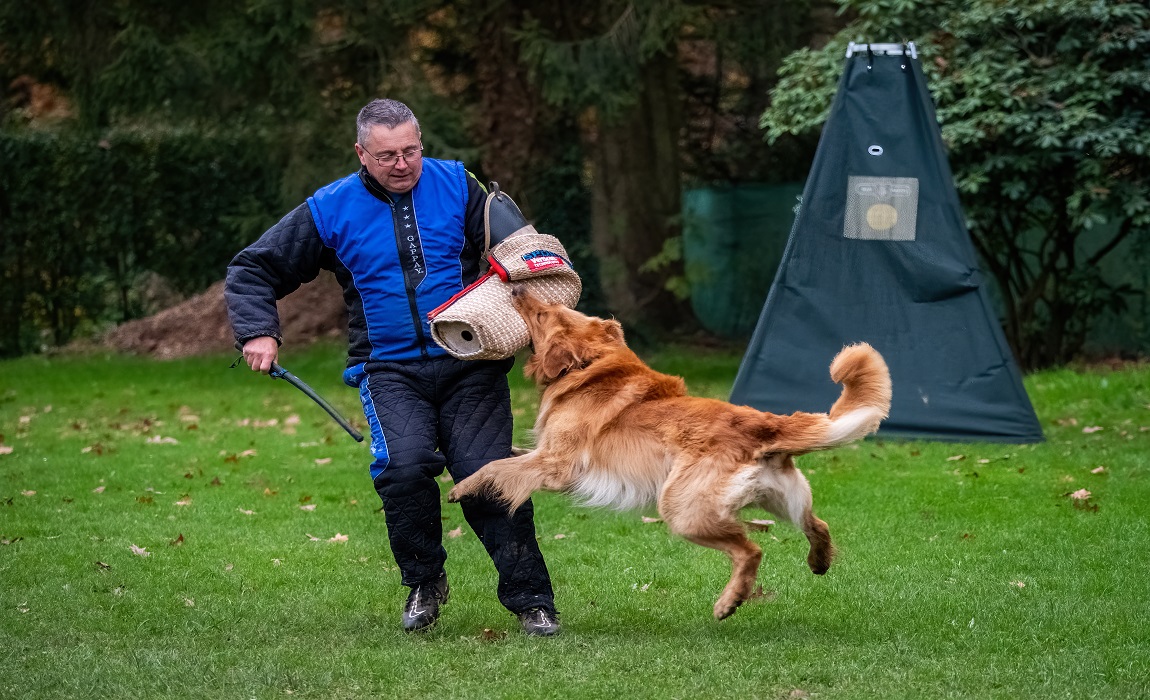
875, 150
881, 216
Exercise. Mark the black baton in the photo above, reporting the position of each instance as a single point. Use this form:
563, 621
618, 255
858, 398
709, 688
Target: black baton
278, 372
281, 373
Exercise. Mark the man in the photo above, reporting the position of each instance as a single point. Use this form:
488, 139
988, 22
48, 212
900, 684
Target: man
403, 235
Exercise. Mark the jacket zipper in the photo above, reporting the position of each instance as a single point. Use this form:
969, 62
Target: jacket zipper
411, 301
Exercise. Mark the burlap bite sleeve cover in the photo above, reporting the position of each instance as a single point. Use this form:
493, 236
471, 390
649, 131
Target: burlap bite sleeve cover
481, 323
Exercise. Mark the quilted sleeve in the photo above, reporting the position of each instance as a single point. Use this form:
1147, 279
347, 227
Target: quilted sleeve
287, 255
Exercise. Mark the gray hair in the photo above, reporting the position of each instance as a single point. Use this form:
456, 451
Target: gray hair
389, 113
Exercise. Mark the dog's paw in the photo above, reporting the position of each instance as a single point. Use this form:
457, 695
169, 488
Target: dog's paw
725, 608
727, 605
471, 486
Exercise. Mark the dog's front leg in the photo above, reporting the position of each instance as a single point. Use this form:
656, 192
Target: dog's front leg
511, 480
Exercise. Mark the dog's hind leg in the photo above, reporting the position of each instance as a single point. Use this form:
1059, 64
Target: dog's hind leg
784, 491
712, 524
745, 557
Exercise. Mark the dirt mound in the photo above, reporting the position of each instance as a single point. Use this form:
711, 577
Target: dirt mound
200, 324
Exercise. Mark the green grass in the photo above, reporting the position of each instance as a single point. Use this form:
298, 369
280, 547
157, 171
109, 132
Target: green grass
955, 577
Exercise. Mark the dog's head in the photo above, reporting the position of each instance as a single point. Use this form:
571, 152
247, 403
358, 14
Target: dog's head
563, 339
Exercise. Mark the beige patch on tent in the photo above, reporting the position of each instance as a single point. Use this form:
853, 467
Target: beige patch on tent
881, 208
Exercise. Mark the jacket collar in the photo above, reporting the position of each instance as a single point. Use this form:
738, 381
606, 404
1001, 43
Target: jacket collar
375, 188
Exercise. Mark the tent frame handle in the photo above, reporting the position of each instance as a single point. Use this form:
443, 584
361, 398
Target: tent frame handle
907, 49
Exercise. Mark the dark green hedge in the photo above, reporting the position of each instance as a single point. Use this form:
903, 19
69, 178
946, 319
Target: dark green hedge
86, 217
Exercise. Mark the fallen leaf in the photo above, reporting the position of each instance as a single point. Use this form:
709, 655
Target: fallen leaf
311, 537
5, 449
140, 551
490, 635
178, 542
984, 461
28, 493
276, 562
457, 532
1097, 470
1092, 429
956, 458
101, 565
189, 602
1019, 584
185, 501
293, 419
308, 506
157, 440
759, 525
246, 512
652, 520
338, 538
560, 536
23, 607
248, 453
759, 595
25, 420
190, 418
99, 489
229, 567
323, 460
1080, 495
445, 479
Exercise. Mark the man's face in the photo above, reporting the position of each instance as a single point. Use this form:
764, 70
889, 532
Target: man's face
383, 142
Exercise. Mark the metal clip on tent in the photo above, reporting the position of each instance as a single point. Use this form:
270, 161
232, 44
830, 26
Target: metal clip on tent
905, 49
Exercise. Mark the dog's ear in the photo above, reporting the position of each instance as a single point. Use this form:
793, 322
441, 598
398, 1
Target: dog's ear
613, 330
551, 362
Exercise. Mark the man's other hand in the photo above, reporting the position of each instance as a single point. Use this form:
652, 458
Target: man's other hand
261, 352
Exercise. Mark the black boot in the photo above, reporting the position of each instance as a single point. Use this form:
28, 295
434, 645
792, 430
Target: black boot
539, 622
422, 608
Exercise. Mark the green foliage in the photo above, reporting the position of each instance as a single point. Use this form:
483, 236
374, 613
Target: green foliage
253, 59
1043, 106
603, 69
87, 216
955, 578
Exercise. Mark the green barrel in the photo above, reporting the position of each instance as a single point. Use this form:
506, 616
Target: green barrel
733, 240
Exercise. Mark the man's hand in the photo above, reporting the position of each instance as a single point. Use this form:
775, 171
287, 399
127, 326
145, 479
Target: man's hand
261, 352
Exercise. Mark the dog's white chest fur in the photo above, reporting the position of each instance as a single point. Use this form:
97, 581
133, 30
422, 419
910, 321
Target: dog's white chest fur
598, 487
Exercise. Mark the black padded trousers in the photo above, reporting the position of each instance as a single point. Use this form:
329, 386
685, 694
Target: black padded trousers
429, 414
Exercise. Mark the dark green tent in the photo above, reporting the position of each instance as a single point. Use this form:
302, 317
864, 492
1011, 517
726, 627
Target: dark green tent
879, 252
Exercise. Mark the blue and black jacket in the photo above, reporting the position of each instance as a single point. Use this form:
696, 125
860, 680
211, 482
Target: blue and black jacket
397, 257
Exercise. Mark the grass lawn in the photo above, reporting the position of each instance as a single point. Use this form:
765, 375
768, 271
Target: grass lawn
179, 529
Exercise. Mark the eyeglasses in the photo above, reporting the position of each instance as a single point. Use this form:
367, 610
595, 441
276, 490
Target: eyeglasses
391, 160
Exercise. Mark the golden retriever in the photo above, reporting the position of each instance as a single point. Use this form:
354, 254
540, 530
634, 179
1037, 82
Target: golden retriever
613, 432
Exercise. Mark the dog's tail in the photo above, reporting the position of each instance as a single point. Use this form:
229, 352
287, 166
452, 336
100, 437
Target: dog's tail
864, 403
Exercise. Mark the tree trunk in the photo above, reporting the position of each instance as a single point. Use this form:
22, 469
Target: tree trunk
635, 205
